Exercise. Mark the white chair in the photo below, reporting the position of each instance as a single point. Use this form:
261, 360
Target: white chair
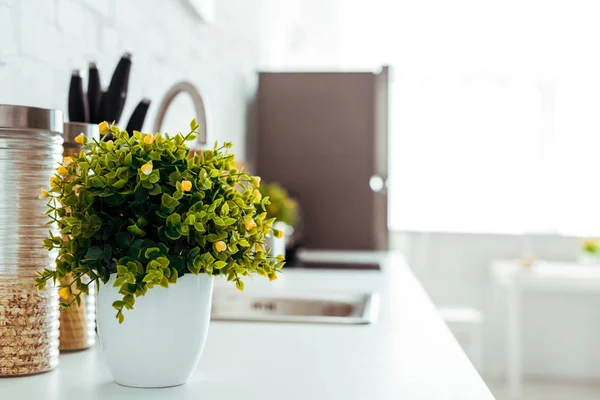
466, 324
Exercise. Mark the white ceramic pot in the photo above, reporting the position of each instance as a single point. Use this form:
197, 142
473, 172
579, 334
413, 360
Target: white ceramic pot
160, 342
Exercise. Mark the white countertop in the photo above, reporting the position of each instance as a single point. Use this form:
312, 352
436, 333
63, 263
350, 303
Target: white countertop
407, 354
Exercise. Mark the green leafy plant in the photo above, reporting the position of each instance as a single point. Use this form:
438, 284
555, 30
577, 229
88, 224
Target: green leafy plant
590, 246
140, 208
282, 206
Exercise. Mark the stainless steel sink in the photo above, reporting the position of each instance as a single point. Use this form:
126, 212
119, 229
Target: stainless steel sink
341, 308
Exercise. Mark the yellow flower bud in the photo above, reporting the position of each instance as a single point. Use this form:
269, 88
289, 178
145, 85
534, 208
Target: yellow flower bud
256, 247
148, 139
273, 276
255, 180
258, 195
81, 139
278, 233
67, 161
220, 246
62, 171
44, 194
147, 168
104, 127
64, 293
54, 181
249, 224
186, 186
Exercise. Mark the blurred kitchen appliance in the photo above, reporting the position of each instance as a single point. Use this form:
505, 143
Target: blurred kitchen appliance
323, 136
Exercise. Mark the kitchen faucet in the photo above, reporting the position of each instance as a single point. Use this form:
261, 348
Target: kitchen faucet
186, 87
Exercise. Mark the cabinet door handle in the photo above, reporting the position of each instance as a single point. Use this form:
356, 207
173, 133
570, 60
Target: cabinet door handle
378, 184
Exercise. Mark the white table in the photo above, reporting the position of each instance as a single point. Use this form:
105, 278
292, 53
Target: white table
543, 276
409, 353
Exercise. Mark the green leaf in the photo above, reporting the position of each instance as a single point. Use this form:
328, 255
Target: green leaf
219, 221
120, 183
152, 252
118, 304
154, 177
229, 221
219, 264
93, 253
119, 282
136, 231
244, 243
168, 201
239, 285
123, 240
177, 263
172, 234
193, 252
164, 250
213, 237
173, 220
156, 189
174, 177
174, 276
141, 195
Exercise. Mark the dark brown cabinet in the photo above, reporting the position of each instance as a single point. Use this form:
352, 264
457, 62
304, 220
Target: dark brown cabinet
324, 137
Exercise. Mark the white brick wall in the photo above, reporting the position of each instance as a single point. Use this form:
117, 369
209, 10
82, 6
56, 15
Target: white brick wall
42, 41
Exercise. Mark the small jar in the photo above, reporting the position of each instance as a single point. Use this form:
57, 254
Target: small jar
78, 324
30, 149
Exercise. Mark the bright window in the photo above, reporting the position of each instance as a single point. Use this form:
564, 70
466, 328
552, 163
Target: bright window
495, 105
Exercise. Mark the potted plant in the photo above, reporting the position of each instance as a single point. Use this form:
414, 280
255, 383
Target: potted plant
589, 251
139, 216
284, 209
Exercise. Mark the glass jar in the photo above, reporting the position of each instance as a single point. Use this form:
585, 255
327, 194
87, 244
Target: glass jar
78, 324
30, 149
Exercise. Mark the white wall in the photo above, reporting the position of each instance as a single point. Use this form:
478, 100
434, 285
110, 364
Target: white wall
560, 330
41, 41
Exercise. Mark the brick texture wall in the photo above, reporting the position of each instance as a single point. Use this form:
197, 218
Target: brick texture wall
42, 41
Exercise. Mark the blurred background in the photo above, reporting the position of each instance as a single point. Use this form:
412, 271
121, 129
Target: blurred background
463, 133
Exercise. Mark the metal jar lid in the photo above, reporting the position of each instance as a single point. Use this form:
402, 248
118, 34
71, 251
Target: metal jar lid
30, 118
74, 129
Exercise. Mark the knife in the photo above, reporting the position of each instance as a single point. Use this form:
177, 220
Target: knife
78, 110
113, 100
94, 94
136, 121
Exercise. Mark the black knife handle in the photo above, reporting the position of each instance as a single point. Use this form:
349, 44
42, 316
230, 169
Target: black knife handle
136, 121
78, 108
94, 94
109, 106
119, 84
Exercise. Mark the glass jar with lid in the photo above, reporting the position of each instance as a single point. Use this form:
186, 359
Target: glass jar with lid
30, 150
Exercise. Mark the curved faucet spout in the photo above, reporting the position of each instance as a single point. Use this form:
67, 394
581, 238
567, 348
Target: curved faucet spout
190, 89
